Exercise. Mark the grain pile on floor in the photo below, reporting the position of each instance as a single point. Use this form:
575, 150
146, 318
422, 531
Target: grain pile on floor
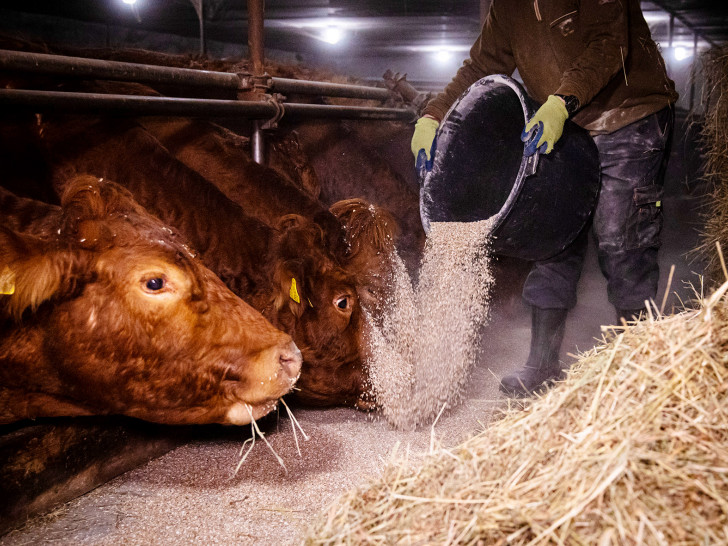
715, 143
632, 448
425, 348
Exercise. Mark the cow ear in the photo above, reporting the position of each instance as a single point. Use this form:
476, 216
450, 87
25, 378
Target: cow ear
32, 271
290, 222
297, 237
291, 294
87, 202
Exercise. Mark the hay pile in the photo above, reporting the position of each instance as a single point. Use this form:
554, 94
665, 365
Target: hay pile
715, 145
631, 449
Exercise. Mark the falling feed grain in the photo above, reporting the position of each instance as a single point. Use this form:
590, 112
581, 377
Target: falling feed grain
424, 347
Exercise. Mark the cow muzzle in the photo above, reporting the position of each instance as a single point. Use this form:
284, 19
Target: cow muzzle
291, 361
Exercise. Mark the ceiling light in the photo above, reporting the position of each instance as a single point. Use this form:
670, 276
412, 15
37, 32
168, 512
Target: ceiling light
443, 55
331, 35
681, 53
130, 2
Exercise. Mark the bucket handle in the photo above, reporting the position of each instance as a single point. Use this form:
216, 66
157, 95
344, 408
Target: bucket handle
530, 150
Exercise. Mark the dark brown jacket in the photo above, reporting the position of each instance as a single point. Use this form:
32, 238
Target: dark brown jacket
601, 51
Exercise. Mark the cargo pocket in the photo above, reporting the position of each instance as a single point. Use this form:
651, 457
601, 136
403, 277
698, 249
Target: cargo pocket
645, 225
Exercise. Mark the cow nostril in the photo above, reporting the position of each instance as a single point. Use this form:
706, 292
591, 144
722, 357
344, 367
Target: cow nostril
291, 359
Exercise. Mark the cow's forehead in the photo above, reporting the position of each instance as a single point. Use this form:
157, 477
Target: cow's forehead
135, 230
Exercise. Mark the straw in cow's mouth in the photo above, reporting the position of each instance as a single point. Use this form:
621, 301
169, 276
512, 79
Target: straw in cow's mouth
256, 431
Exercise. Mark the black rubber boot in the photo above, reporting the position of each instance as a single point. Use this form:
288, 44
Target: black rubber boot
542, 366
630, 315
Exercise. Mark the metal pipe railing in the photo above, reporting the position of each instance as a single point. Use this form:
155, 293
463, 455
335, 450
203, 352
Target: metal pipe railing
61, 65
256, 17
94, 103
306, 87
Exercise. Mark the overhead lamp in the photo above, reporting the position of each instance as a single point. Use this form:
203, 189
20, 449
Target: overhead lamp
331, 35
681, 53
443, 55
130, 2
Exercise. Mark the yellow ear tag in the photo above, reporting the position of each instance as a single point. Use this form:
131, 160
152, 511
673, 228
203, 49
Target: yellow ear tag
293, 292
7, 281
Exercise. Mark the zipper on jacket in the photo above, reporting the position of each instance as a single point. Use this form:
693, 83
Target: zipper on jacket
536, 10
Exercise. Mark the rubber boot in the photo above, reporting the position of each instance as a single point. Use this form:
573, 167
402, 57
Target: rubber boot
542, 366
630, 315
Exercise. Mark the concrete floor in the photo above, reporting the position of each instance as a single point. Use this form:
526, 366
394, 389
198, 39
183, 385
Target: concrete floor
189, 496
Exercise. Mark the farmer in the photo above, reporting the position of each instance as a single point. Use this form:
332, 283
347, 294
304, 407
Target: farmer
594, 62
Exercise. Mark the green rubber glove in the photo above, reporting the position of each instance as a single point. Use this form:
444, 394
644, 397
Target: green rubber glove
424, 137
551, 116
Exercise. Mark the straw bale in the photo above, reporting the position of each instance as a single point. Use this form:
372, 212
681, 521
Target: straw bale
632, 448
714, 136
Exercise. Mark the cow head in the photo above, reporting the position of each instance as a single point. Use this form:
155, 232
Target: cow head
371, 256
111, 313
316, 301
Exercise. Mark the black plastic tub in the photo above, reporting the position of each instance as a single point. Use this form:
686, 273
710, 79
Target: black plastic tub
480, 170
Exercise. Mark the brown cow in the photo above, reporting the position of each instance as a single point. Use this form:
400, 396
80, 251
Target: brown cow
223, 158
105, 311
371, 257
241, 251
349, 165
258, 262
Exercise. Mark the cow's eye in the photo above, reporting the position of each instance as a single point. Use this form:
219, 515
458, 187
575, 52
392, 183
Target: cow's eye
343, 302
155, 284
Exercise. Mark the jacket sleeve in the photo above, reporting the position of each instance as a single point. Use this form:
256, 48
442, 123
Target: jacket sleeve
606, 32
491, 54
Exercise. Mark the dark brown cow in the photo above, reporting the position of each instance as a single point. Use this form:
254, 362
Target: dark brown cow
349, 165
246, 254
105, 311
258, 262
223, 158
370, 235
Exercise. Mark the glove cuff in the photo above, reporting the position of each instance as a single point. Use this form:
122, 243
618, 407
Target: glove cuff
427, 122
571, 103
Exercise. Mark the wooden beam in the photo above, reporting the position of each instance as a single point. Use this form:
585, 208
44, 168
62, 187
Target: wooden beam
47, 464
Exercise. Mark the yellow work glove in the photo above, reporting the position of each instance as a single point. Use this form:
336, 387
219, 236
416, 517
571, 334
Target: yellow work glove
423, 142
548, 124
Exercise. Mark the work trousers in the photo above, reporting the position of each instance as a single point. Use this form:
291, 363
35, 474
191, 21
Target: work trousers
626, 223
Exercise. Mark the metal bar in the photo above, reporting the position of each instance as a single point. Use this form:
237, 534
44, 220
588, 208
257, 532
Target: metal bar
306, 87
203, 44
256, 50
348, 112
257, 143
95, 103
673, 14
693, 70
60, 65
41, 63
255, 35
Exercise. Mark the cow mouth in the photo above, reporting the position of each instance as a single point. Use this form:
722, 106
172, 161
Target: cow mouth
242, 413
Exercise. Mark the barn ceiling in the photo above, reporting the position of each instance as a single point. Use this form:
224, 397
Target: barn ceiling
357, 37
375, 26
